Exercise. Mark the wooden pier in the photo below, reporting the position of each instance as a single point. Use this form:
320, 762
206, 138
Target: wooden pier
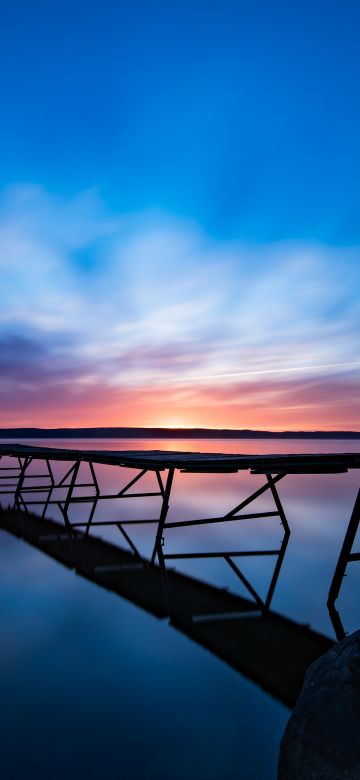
18, 479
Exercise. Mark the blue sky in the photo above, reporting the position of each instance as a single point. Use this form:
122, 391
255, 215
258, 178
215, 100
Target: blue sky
241, 115
180, 200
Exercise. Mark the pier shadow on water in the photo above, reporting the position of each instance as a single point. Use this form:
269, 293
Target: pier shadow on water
269, 649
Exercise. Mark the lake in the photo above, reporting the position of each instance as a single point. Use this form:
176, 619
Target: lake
93, 686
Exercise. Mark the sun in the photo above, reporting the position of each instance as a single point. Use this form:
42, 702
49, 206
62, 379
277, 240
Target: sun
173, 422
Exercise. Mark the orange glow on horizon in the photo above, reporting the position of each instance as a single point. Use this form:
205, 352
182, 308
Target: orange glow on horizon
271, 406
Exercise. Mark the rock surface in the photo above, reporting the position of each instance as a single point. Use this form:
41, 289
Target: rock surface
322, 738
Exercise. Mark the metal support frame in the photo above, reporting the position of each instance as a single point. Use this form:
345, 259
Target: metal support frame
232, 516
22, 475
9, 476
159, 539
27, 495
18, 476
346, 556
27, 489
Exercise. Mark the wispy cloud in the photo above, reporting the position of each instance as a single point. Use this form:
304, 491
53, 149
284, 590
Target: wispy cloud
298, 369
114, 306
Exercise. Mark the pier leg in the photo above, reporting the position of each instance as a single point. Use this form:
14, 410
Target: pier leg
22, 474
17, 495
159, 540
96, 498
8, 487
163, 513
65, 509
345, 557
50, 489
284, 543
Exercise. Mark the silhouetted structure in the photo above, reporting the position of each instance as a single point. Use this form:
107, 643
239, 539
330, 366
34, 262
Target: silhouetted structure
18, 479
346, 556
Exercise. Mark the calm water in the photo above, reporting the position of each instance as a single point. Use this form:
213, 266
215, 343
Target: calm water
92, 686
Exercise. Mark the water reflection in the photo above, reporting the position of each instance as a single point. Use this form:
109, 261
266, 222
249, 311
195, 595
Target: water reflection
77, 493
272, 651
100, 675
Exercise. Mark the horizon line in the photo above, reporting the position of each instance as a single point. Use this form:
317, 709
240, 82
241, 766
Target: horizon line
267, 431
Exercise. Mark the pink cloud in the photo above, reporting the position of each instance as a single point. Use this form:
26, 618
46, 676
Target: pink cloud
329, 404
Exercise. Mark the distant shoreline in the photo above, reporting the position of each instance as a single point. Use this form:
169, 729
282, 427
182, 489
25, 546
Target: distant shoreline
168, 433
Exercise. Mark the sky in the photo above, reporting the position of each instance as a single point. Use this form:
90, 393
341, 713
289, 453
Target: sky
179, 213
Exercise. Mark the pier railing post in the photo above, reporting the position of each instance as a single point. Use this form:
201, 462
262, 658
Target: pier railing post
163, 513
65, 510
345, 557
284, 543
159, 540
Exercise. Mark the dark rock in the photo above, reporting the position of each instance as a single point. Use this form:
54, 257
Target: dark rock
322, 738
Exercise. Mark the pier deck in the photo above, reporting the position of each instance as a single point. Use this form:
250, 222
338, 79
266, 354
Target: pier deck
196, 462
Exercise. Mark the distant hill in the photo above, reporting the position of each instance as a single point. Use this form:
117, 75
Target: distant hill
168, 433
